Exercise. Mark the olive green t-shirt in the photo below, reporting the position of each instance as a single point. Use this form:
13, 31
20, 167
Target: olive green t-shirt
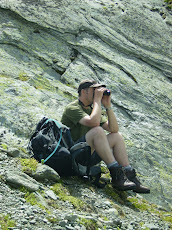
72, 114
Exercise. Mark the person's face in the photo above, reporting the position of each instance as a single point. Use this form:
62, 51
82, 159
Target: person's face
89, 95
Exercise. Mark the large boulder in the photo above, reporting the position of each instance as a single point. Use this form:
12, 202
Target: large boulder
45, 173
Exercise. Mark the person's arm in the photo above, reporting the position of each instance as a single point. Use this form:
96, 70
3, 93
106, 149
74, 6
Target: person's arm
94, 118
111, 125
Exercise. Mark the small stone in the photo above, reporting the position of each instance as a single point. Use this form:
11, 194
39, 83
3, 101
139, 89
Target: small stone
45, 220
69, 227
13, 152
51, 194
71, 217
112, 211
107, 203
32, 222
63, 223
130, 227
24, 221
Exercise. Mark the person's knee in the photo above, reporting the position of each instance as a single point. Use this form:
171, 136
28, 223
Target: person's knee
116, 135
98, 131
115, 138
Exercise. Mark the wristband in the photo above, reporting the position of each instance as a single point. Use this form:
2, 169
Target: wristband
109, 108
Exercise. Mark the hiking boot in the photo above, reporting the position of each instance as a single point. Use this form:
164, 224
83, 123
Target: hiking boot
119, 181
131, 175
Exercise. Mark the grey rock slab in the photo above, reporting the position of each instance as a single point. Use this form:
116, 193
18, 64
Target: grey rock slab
17, 179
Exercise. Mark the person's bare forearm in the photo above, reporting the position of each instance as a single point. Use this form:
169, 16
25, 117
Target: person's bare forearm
96, 112
112, 121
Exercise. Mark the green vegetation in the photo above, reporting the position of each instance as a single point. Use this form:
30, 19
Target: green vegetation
31, 198
118, 196
144, 228
63, 193
89, 224
4, 75
53, 219
52, 203
166, 216
105, 170
42, 83
137, 203
129, 143
4, 146
169, 3
104, 7
22, 149
166, 176
2, 178
144, 205
6, 222
29, 165
140, 204
23, 77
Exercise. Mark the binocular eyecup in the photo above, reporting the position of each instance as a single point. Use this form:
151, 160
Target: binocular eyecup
107, 93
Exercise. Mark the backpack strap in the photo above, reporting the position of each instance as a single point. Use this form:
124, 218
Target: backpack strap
58, 125
78, 146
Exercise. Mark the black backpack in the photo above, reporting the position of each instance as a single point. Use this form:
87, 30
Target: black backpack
52, 144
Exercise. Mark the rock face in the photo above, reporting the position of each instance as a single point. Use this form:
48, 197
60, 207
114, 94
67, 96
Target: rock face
47, 47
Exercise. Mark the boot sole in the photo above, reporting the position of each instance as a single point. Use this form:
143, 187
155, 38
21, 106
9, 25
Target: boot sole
145, 192
124, 189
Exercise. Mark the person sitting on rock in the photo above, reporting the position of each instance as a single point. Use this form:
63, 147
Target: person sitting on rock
87, 124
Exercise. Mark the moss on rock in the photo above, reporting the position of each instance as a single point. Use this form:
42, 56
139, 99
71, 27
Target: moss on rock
60, 190
89, 224
29, 165
143, 205
6, 222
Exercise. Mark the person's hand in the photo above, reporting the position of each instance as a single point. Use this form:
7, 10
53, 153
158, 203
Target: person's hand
98, 93
106, 101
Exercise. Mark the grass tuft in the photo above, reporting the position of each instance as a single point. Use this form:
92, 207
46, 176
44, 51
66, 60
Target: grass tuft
6, 222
